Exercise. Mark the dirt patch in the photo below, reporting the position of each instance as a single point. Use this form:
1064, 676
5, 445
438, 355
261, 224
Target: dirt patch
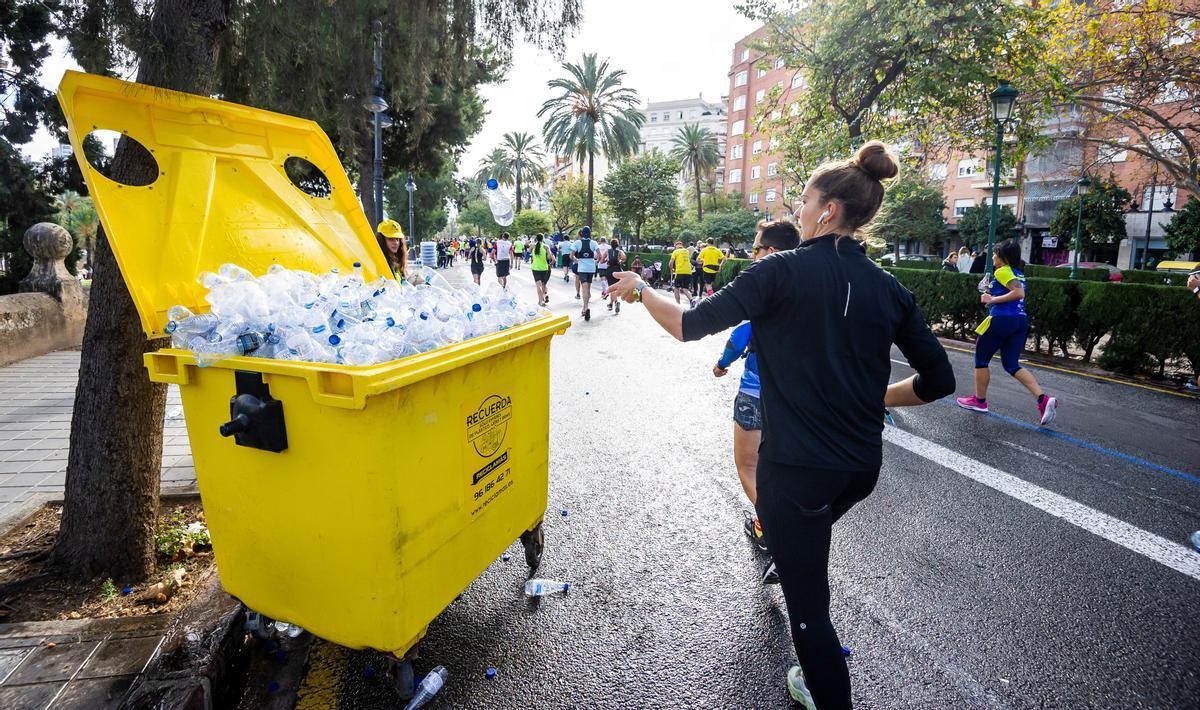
181, 539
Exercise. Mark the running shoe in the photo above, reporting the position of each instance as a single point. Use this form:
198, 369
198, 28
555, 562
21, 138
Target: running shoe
753, 530
973, 403
577, 296
798, 690
1048, 407
770, 574
587, 315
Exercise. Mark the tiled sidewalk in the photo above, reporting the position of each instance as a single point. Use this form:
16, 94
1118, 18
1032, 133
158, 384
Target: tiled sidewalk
36, 397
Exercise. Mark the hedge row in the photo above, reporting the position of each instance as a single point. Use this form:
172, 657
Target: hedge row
1158, 278
1052, 272
1146, 325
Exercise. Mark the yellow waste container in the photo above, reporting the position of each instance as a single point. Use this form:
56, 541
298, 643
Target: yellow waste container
356, 502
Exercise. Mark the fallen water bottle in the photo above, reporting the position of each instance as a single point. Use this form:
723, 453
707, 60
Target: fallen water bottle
545, 587
502, 209
290, 630
429, 687
1196, 541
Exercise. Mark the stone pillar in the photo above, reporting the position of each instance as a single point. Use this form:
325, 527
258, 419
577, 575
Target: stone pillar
49, 244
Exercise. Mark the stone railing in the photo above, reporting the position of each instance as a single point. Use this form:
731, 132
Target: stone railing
50, 311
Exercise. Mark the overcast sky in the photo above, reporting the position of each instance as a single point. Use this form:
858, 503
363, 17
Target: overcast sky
671, 49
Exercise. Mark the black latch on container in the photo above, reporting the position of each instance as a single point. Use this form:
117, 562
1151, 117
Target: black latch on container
256, 419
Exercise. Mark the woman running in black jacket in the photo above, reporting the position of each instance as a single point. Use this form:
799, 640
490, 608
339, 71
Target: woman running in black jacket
824, 318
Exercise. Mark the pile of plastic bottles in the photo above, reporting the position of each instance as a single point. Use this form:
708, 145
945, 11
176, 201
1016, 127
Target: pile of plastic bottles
296, 315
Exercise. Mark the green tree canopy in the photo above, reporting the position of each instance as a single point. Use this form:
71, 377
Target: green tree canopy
911, 210
475, 218
531, 222
526, 163
734, 226
973, 223
1103, 215
593, 113
1183, 232
569, 206
696, 150
429, 202
642, 187
22, 205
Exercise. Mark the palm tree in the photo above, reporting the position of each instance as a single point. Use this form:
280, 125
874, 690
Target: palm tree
594, 113
495, 165
526, 161
696, 150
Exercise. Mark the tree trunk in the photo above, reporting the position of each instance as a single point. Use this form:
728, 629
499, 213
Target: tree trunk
111, 500
518, 191
591, 158
699, 207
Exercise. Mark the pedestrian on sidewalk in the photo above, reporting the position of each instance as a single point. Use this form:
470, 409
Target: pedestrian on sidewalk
964, 260
616, 258
475, 252
747, 413
541, 268
824, 318
1005, 330
503, 259
583, 256
950, 263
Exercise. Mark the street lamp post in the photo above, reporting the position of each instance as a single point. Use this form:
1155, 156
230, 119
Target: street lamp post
1081, 189
1167, 207
377, 105
1004, 99
411, 187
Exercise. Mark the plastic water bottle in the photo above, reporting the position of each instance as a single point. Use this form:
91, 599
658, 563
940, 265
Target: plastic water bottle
502, 209
1196, 541
429, 687
545, 587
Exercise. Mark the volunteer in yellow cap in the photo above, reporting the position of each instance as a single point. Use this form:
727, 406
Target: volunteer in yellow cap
391, 241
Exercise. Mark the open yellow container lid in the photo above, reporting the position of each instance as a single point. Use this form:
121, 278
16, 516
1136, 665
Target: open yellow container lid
222, 194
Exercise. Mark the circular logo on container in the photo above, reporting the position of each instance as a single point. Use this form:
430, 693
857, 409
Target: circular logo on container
488, 425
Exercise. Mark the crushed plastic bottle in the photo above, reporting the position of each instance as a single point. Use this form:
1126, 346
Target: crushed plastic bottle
429, 687
331, 318
502, 209
1196, 541
545, 587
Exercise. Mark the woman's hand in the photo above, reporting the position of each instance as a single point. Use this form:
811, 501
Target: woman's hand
626, 286
719, 371
985, 298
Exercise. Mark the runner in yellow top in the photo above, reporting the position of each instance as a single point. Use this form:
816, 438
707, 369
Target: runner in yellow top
681, 271
710, 259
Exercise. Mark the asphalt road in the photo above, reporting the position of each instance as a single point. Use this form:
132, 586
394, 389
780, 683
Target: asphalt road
996, 564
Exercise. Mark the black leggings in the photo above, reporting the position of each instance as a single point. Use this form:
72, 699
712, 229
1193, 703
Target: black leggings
798, 506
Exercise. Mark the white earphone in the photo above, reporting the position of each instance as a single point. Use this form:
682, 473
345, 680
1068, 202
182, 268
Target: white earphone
821, 219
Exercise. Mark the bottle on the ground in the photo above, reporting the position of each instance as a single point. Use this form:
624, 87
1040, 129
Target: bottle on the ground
545, 587
429, 687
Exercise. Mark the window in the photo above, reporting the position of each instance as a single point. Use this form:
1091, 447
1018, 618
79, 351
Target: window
735, 175
772, 169
745, 54
968, 167
776, 115
961, 206
739, 102
1167, 144
755, 172
739, 127
779, 63
937, 171
654, 118
774, 143
739, 79
759, 96
761, 73
754, 198
1113, 154
681, 115
736, 152
666, 115
794, 109
756, 148
797, 80
1170, 94
1162, 193
771, 195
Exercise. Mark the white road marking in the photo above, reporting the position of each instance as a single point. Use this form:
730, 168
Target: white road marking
1027, 450
1131, 537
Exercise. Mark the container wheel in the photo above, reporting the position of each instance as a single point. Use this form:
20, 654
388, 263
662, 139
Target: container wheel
259, 626
403, 680
534, 542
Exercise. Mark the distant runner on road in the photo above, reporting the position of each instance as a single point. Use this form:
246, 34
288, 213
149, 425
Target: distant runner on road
1004, 330
541, 268
681, 272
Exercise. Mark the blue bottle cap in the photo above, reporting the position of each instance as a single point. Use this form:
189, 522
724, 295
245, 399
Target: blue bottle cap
127, 590
475, 307
491, 673
170, 327
334, 339
492, 184
391, 321
424, 316
846, 651
564, 512
341, 323
357, 264
566, 587
319, 329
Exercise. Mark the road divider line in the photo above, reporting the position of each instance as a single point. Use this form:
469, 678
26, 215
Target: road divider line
1131, 537
324, 675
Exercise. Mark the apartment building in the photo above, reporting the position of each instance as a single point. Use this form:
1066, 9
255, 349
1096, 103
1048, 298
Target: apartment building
664, 119
752, 167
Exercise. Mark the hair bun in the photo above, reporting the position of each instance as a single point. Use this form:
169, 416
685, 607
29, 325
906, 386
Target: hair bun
876, 161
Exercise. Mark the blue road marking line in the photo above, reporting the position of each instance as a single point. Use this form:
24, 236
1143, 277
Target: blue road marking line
1090, 446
